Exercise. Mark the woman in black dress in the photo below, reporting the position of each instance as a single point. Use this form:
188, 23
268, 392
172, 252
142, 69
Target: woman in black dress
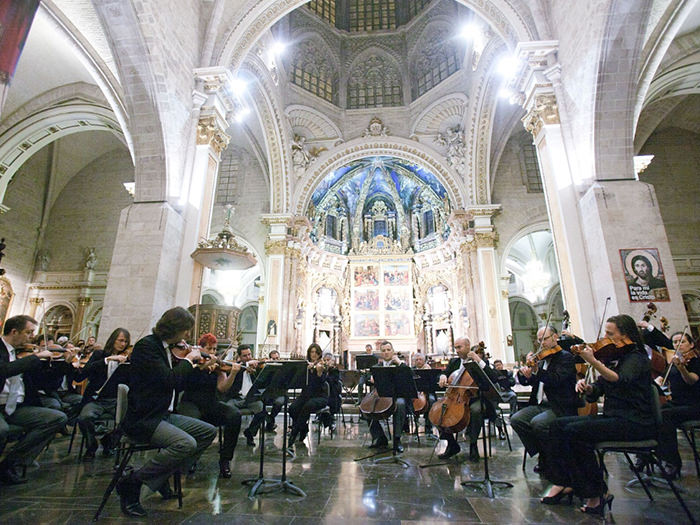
571, 463
313, 396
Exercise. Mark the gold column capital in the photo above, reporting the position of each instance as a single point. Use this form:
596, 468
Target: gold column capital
210, 133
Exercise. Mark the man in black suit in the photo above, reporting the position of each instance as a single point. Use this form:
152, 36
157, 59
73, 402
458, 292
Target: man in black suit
155, 379
379, 439
464, 354
19, 400
553, 382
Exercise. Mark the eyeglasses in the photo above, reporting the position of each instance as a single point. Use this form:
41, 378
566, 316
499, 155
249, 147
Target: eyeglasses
544, 338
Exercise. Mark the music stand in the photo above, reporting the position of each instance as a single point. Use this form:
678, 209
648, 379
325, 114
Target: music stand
366, 361
260, 386
394, 382
487, 390
285, 375
426, 380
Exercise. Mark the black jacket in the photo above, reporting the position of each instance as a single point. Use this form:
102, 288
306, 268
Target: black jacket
95, 371
151, 386
20, 366
559, 382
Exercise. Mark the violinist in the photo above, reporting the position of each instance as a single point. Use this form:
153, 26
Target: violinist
335, 389
237, 396
553, 382
419, 363
103, 373
19, 400
625, 381
313, 396
505, 382
155, 380
684, 380
199, 401
379, 439
465, 355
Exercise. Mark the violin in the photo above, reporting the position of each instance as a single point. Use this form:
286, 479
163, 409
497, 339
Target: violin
606, 349
542, 354
451, 413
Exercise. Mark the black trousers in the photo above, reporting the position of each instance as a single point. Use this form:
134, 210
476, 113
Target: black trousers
673, 416
218, 414
476, 420
570, 459
301, 409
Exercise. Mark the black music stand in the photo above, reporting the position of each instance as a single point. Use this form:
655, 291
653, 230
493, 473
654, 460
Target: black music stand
393, 382
285, 375
487, 390
366, 361
260, 386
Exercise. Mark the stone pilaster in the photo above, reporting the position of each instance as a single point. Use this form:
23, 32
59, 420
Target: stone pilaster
83, 306
34, 303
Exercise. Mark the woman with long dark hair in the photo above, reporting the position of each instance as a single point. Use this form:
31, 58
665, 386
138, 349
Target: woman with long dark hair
571, 463
100, 398
313, 396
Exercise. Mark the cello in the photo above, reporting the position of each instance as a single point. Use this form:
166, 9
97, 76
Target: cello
451, 413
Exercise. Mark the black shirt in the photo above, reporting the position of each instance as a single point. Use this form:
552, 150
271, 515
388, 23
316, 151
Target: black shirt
681, 392
200, 387
630, 396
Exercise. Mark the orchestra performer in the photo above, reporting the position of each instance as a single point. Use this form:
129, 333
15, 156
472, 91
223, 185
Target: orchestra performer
684, 380
464, 355
335, 398
199, 400
19, 401
419, 363
156, 378
379, 439
277, 403
313, 396
365, 378
505, 382
570, 463
100, 398
553, 382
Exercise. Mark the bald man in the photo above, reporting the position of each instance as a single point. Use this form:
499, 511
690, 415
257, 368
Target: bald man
464, 354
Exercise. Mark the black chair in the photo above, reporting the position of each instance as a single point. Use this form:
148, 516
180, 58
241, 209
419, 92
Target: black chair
645, 448
689, 428
321, 412
127, 447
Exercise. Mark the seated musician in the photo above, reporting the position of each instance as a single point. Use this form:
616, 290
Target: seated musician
277, 403
100, 398
365, 378
199, 400
156, 378
553, 382
684, 380
419, 363
313, 396
464, 355
570, 462
505, 381
19, 401
335, 400
237, 395
379, 439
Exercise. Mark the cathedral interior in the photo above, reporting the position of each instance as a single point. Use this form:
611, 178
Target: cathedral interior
350, 171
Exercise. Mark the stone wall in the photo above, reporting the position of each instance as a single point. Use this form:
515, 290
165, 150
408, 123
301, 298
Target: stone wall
86, 213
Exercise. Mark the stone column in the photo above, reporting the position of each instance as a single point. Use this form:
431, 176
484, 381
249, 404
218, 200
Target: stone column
83, 305
215, 102
591, 220
491, 326
34, 303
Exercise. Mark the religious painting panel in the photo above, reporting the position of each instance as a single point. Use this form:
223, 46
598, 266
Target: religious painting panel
367, 300
397, 299
366, 325
365, 275
396, 274
397, 324
644, 275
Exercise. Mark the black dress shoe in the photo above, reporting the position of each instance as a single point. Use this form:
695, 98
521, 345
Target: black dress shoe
398, 447
379, 443
129, 491
249, 437
10, 476
166, 492
225, 469
473, 452
451, 450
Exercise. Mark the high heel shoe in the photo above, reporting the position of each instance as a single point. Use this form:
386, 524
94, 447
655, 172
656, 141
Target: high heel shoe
599, 510
554, 500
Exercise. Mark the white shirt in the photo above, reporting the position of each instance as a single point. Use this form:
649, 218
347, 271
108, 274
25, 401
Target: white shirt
17, 380
541, 396
170, 362
247, 383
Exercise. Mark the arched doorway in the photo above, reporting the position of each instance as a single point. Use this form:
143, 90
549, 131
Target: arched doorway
58, 321
524, 324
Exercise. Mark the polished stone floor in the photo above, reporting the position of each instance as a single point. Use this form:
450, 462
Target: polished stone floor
339, 489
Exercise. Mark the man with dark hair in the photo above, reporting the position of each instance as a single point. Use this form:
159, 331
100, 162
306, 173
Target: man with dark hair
19, 400
238, 397
156, 377
505, 381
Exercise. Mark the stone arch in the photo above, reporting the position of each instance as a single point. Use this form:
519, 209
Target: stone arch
431, 48
392, 66
527, 230
449, 107
25, 138
318, 55
504, 16
276, 134
312, 120
388, 146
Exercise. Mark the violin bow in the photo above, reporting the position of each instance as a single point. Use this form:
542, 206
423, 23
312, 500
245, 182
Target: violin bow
546, 326
589, 372
675, 354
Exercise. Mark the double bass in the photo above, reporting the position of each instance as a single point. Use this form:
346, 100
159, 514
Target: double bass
451, 413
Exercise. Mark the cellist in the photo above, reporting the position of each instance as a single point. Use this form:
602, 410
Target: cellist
553, 382
464, 355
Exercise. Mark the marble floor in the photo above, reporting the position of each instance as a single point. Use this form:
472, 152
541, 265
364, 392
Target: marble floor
339, 489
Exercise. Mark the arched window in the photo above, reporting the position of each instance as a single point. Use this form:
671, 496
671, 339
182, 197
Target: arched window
374, 82
311, 70
323, 8
413, 7
437, 58
371, 15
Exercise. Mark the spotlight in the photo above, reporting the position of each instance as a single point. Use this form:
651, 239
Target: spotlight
508, 66
505, 93
471, 31
277, 48
238, 86
241, 114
